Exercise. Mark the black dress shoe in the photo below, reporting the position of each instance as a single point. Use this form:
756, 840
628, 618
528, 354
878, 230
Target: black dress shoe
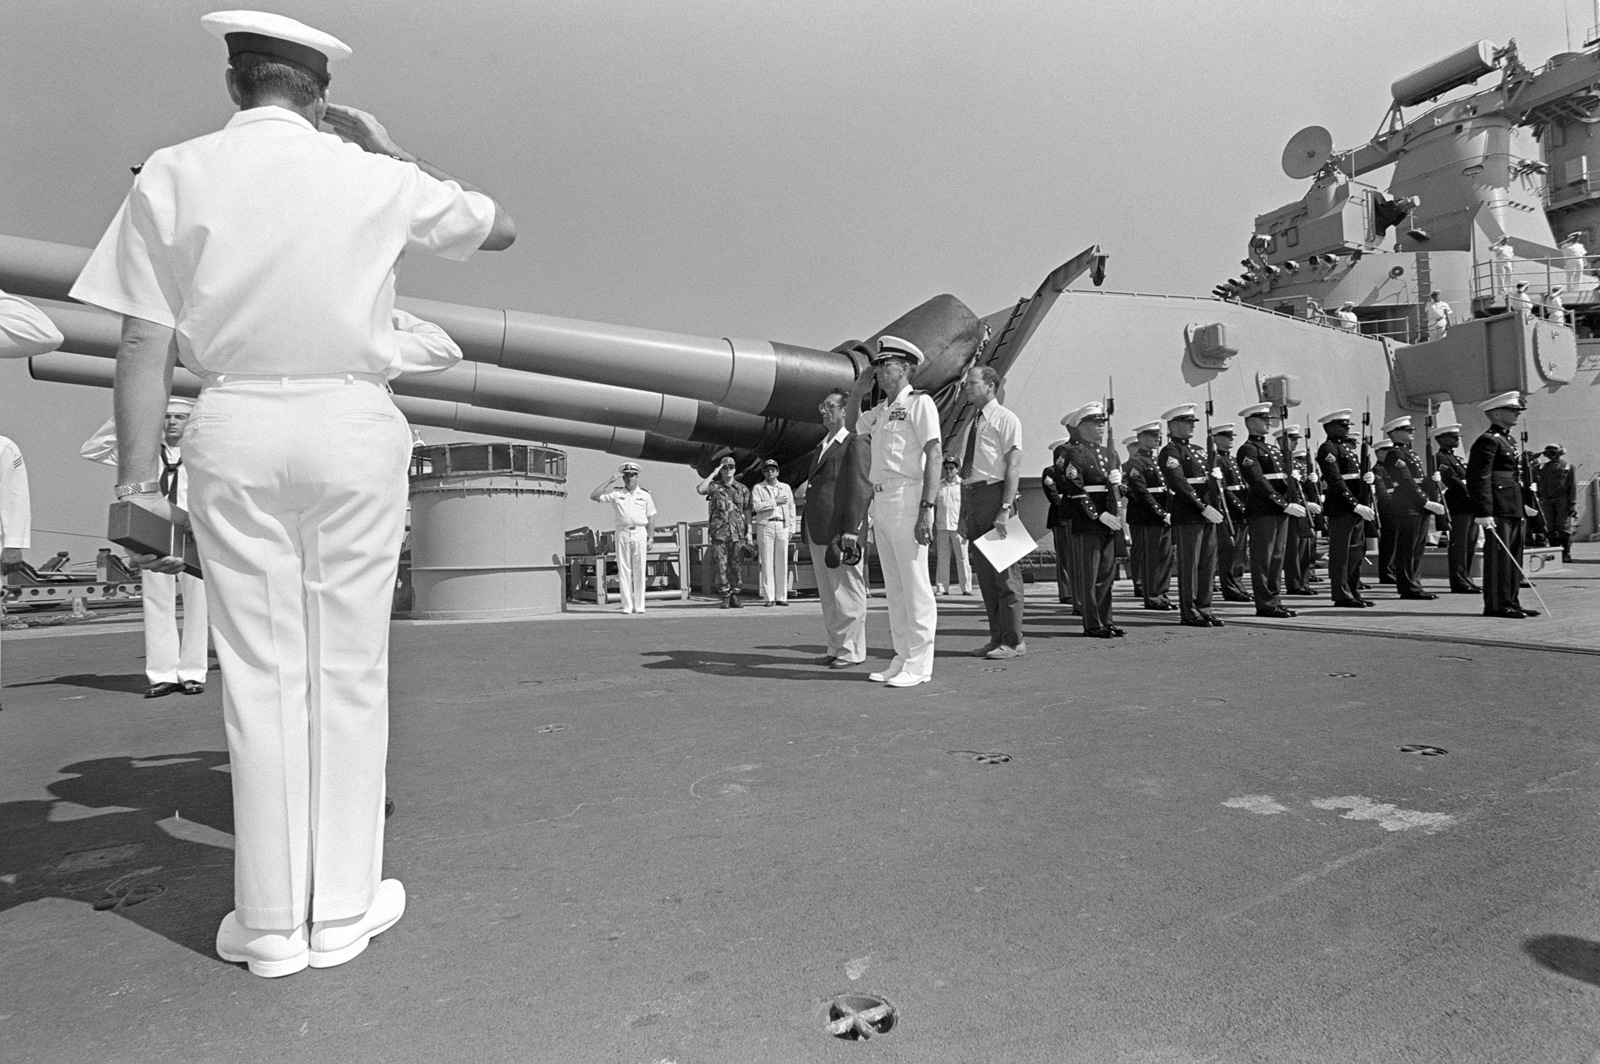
1235, 598
1420, 596
826, 659
1099, 633
1196, 622
161, 690
1530, 613
1301, 591
1386, 580
1470, 589
193, 687
727, 604
1524, 584
1212, 619
1366, 604
1276, 611
1507, 613
1118, 632
1160, 606
1351, 604
733, 600
1362, 585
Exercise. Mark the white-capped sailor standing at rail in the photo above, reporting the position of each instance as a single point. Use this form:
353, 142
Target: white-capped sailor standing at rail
906, 460
267, 251
635, 528
173, 660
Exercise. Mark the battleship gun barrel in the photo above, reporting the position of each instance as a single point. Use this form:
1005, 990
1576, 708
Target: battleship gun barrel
60, 367
760, 377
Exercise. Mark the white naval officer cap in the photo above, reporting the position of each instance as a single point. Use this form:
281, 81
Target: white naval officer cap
628, 467
1148, 427
1503, 400
894, 347
1447, 430
276, 35
1224, 429
1094, 411
1186, 412
1257, 410
1337, 415
1401, 422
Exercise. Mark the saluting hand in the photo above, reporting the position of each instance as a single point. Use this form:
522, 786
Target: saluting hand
361, 129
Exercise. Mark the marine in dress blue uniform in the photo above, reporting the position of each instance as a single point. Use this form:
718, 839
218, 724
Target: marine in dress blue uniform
1413, 497
1050, 481
1347, 500
1148, 520
1500, 493
1300, 556
1233, 533
1092, 502
1272, 500
1191, 489
1464, 531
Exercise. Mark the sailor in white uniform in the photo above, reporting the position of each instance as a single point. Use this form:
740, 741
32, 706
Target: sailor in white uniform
268, 250
906, 460
172, 662
635, 528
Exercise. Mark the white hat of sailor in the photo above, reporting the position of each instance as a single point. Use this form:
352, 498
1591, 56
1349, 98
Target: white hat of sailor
177, 404
1337, 415
1447, 430
1095, 411
1226, 428
1399, 424
628, 467
278, 36
1257, 410
894, 347
1148, 428
1503, 400
1186, 412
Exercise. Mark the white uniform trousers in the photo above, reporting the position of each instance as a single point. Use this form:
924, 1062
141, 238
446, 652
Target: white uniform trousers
297, 493
167, 657
772, 543
913, 611
948, 546
843, 592
632, 554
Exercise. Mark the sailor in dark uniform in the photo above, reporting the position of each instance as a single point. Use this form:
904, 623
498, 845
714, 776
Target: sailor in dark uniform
1148, 518
1412, 496
1464, 531
1348, 503
1300, 555
1500, 494
1272, 500
1190, 491
1090, 500
1232, 536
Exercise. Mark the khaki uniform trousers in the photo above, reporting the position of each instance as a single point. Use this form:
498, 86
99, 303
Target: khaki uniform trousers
297, 493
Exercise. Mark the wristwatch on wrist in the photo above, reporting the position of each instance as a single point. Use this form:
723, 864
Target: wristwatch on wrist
144, 487
929, 505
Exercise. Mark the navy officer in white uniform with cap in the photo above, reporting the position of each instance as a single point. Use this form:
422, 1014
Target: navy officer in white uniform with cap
906, 460
635, 528
263, 256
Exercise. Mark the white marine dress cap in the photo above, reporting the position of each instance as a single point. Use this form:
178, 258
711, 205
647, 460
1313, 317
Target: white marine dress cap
1187, 410
1503, 400
1447, 430
1402, 422
1094, 411
1257, 410
1337, 415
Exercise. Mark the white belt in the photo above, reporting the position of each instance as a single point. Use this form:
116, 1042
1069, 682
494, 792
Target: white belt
1196, 480
1096, 487
211, 380
1276, 476
1350, 476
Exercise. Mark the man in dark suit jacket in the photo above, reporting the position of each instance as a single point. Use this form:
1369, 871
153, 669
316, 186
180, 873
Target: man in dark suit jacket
837, 494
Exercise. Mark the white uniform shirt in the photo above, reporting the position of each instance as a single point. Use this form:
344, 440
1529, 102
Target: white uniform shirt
1439, 315
1576, 253
1520, 301
16, 515
420, 347
633, 507
25, 330
221, 233
773, 502
899, 429
999, 433
1554, 309
947, 508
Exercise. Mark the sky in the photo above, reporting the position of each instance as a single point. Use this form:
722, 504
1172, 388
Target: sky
795, 171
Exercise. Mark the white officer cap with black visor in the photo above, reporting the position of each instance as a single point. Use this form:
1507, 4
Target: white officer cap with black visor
1225, 428
1446, 430
628, 467
1503, 401
278, 36
1336, 415
1148, 428
1399, 424
894, 347
1186, 412
1094, 411
1257, 410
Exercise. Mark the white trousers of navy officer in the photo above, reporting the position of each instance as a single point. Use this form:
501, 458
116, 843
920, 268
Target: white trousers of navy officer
913, 611
632, 556
298, 493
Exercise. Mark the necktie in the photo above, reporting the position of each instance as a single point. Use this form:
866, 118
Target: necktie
169, 477
972, 447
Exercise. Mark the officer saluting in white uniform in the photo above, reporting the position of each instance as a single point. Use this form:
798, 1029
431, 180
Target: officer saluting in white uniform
172, 662
906, 460
267, 250
635, 528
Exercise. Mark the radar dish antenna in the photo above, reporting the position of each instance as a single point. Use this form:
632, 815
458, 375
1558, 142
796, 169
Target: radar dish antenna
1307, 152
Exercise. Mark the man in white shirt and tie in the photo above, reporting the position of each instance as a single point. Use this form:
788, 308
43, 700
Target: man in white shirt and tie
991, 466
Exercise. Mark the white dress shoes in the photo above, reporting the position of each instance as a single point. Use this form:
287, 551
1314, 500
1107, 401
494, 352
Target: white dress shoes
884, 676
905, 679
336, 941
269, 954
